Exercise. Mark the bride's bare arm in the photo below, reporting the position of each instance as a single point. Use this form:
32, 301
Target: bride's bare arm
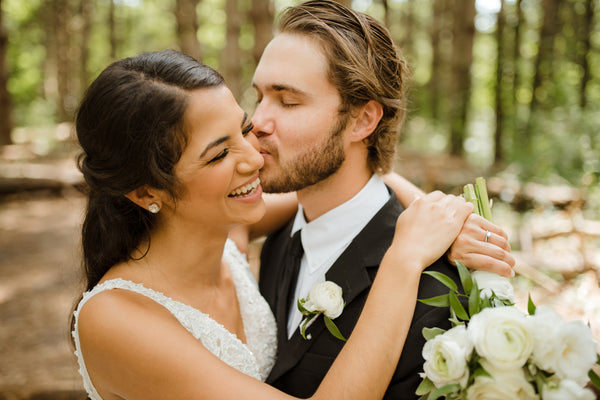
135, 349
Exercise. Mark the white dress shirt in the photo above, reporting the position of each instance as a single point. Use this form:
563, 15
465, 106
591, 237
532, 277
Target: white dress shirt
326, 238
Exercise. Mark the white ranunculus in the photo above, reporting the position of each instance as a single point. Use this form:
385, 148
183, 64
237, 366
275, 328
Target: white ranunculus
489, 282
566, 389
446, 357
501, 385
327, 298
577, 352
545, 324
568, 349
502, 336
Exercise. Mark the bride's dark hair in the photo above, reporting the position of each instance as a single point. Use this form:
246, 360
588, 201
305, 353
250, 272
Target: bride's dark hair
130, 127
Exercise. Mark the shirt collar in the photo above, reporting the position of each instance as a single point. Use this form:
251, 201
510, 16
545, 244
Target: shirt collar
325, 236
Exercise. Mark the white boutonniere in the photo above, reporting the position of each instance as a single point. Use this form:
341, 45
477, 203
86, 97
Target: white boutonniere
324, 298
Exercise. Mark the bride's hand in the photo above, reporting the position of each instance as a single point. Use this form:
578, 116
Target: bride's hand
426, 229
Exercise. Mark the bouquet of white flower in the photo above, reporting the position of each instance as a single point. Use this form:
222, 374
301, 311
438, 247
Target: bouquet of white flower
496, 351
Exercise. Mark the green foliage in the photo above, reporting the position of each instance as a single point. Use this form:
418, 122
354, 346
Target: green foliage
558, 139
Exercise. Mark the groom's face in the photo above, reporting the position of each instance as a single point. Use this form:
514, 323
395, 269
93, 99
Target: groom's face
299, 128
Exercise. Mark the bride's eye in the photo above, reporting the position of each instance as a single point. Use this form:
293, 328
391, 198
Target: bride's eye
220, 156
247, 129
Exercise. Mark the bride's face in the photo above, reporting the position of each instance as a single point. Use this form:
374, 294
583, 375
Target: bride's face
219, 167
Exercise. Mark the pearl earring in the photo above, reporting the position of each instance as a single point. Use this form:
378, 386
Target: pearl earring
154, 208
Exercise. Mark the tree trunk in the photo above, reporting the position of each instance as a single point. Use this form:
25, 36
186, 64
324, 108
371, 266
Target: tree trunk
262, 20
62, 36
386, 13
231, 56
500, 113
436, 79
86, 10
462, 57
5, 103
112, 32
408, 22
516, 62
187, 28
586, 38
543, 62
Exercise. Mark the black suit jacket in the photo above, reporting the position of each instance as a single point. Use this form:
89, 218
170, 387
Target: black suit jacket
302, 364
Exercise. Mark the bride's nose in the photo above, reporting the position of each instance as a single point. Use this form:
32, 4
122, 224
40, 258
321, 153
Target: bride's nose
251, 160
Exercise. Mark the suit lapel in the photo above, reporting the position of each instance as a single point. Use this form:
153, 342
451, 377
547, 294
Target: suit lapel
350, 272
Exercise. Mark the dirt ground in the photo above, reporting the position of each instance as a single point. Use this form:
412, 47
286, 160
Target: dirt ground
39, 282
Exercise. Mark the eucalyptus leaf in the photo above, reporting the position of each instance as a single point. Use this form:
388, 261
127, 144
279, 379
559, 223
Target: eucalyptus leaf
530, 306
444, 390
332, 328
425, 387
594, 378
457, 307
474, 300
465, 277
437, 301
443, 279
430, 333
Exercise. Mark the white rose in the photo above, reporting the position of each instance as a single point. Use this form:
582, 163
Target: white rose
327, 298
502, 385
446, 357
566, 389
502, 336
568, 349
489, 282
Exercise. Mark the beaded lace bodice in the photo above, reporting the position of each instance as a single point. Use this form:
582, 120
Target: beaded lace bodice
255, 358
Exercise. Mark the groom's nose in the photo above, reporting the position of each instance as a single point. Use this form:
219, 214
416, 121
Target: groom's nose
262, 120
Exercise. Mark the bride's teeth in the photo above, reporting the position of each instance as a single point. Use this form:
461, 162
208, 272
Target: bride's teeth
246, 189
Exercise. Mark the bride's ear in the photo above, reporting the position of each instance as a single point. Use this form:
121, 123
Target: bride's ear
367, 120
145, 197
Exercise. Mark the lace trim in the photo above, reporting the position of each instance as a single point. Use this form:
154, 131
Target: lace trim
256, 358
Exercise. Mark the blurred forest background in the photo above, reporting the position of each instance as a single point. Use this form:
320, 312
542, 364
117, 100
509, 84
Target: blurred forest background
506, 89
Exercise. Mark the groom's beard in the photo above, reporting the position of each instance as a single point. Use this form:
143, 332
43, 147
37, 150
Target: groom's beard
311, 166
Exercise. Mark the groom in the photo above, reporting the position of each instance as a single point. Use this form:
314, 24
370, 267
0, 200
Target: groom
331, 97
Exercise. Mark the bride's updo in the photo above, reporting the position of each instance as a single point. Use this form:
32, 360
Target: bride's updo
130, 127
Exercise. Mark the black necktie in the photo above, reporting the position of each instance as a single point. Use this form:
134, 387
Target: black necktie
290, 276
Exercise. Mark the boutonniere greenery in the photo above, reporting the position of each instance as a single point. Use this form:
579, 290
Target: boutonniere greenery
323, 298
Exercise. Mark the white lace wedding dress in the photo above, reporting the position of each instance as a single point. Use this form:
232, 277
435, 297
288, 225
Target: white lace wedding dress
255, 358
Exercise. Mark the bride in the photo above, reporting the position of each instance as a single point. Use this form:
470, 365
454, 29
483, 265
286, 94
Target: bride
171, 309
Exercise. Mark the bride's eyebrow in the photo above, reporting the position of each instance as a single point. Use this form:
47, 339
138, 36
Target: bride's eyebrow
214, 143
220, 140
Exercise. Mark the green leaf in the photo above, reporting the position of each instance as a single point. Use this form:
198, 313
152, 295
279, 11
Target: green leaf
594, 378
425, 387
449, 283
430, 333
474, 303
437, 301
457, 307
444, 390
301, 308
332, 328
530, 306
465, 277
